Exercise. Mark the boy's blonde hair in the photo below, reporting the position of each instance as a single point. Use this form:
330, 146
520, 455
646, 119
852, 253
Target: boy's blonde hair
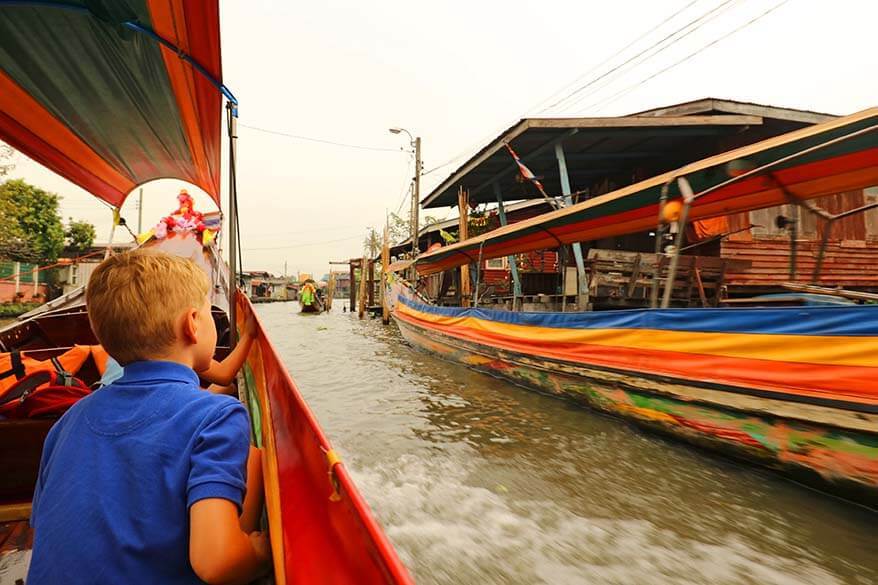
134, 298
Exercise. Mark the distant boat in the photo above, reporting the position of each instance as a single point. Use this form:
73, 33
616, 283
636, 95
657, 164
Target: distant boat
309, 298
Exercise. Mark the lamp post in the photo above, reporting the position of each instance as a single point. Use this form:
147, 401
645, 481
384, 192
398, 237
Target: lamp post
415, 143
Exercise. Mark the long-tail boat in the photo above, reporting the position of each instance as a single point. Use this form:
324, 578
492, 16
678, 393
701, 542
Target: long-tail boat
111, 95
309, 301
791, 388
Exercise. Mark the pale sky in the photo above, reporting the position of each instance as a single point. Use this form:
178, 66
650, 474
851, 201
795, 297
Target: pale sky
457, 73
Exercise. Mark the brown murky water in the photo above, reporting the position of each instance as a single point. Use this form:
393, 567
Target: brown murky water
479, 481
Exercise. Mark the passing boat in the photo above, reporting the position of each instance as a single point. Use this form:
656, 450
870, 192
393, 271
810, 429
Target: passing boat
309, 298
790, 388
112, 96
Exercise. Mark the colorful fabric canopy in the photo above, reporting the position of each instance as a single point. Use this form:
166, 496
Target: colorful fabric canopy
106, 104
840, 165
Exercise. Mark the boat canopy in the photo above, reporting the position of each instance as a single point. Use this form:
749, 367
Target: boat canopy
832, 157
111, 94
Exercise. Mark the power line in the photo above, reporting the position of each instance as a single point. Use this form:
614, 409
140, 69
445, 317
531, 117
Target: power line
306, 231
607, 101
614, 55
321, 140
657, 47
464, 152
303, 245
405, 195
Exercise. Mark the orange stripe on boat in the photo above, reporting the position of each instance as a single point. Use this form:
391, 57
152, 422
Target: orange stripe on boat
806, 379
169, 21
26, 123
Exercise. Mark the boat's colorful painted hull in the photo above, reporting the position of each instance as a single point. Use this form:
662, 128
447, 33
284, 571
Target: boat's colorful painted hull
321, 529
826, 438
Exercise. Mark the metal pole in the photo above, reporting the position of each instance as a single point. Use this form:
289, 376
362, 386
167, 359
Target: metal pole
233, 228
513, 267
582, 288
659, 236
688, 197
140, 211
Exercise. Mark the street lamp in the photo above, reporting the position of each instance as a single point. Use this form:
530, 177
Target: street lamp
416, 196
400, 130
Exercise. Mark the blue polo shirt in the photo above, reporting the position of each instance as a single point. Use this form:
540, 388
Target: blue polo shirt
119, 471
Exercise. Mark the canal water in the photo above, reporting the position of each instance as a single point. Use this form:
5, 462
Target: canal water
479, 481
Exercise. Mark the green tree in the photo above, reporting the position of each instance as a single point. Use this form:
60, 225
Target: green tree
5, 155
31, 227
401, 227
372, 243
79, 235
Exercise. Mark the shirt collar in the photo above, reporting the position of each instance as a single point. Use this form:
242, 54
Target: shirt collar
155, 371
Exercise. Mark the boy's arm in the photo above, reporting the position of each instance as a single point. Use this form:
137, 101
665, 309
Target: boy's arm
219, 551
254, 499
222, 373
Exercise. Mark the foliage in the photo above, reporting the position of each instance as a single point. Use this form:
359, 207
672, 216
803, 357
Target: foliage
5, 154
79, 235
400, 228
30, 227
372, 243
8, 310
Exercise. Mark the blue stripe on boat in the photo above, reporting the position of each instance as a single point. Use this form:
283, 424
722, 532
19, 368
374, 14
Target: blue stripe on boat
859, 320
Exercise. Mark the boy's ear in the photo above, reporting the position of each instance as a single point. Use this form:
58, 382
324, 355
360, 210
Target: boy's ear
190, 326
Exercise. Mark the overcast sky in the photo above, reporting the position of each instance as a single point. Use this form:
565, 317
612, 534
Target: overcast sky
457, 73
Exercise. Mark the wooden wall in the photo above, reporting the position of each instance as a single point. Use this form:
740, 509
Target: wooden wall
851, 259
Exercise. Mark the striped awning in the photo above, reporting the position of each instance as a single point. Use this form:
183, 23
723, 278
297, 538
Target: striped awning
832, 157
111, 94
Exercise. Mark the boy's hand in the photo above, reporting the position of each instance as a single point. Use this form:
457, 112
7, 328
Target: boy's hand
261, 545
250, 326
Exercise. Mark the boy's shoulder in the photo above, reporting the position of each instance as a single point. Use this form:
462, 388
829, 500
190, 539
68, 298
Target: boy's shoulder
150, 396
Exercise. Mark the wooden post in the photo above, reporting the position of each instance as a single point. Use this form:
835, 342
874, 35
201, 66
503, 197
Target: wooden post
371, 289
463, 227
352, 301
385, 261
36, 278
330, 291
17, 269
362, 307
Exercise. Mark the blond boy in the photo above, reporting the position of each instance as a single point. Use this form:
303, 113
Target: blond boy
144, 481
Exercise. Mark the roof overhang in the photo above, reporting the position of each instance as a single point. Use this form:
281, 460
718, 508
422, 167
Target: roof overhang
592, 146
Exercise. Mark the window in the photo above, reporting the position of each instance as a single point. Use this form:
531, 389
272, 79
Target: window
496, 263
74, 273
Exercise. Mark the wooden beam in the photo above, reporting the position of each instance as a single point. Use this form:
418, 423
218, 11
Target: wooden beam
370, 291
385, 262
352, 293
14, 512
463, 234
475, 161
362, 306
645, 121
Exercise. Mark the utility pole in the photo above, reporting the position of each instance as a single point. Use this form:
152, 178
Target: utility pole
416, 198
140, 211
416, 195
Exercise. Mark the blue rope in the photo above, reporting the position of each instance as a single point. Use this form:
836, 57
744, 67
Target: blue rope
136, 27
